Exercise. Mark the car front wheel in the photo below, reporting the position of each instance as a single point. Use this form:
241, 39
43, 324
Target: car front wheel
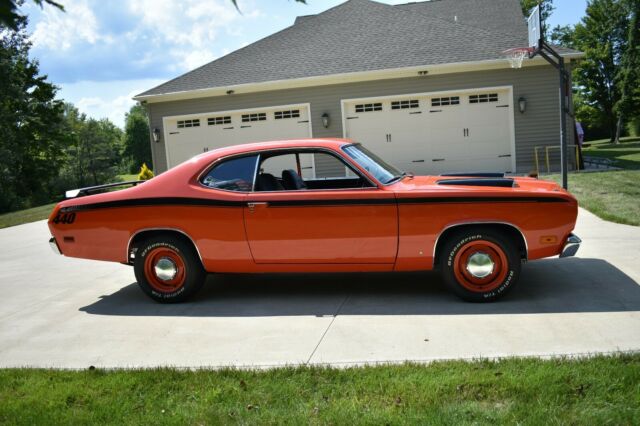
168, 270
480, 265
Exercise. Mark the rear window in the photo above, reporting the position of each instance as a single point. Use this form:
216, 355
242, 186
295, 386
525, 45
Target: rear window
233, 175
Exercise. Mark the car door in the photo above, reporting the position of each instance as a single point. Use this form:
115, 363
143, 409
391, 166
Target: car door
322, 226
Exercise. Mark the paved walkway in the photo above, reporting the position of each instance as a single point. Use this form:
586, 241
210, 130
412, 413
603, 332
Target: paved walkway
62, 312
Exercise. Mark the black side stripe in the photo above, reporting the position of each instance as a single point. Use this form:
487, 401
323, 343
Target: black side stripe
147, 202
202, 202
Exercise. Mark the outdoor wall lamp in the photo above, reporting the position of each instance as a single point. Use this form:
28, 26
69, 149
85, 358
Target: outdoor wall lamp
325, 120
156, 135
522, 105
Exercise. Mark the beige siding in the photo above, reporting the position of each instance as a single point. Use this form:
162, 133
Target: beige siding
539, 125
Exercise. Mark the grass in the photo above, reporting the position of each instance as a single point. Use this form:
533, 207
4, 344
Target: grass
611, 195
625, 155
601, 390
42, 212
25, 216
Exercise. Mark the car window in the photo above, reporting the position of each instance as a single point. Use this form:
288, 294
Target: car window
305, 170
382, 171
235, 174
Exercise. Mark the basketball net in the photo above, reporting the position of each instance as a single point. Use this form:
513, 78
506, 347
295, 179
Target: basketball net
516, 56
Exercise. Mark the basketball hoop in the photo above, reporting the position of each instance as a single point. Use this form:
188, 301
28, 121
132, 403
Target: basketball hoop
516, 55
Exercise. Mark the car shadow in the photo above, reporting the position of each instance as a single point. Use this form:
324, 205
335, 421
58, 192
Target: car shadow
546, 286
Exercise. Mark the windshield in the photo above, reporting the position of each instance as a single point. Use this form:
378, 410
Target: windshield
382, 171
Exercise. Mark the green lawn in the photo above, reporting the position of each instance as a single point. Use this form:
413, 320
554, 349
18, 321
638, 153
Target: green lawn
612, 195
42, 212
25, 216
625, 155
602, 390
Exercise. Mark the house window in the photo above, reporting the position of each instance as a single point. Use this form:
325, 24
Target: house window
483, 97
294, 113
188, 123
213, 121
260, 116
369, 107
413, 103
449, 100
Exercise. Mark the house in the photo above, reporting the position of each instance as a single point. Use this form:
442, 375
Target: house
425, 85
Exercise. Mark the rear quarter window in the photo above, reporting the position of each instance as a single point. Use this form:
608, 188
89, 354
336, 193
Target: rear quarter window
235, 174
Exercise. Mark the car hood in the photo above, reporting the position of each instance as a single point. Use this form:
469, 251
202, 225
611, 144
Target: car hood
430, 184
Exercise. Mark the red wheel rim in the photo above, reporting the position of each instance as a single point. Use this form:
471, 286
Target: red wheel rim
491, 278
164, 269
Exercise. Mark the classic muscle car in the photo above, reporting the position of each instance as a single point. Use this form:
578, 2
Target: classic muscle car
316, 205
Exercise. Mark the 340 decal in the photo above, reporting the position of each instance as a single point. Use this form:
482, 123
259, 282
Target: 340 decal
64, 218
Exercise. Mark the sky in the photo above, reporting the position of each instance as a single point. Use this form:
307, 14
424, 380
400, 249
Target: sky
102, 53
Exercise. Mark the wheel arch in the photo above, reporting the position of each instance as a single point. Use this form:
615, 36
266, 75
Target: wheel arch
509, 229
144, 234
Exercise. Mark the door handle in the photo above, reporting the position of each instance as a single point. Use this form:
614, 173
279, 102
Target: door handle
252, 205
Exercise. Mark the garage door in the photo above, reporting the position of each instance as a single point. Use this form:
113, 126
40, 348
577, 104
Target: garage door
436, 133
187, 136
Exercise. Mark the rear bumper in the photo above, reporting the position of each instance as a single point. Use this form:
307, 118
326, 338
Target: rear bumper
571, 246
54, 246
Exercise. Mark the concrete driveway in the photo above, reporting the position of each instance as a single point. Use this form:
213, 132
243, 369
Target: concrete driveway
62, 312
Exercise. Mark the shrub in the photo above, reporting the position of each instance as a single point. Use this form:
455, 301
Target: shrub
145, 172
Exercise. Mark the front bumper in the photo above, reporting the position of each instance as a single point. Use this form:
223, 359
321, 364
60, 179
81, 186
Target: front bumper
571, 246
54, 246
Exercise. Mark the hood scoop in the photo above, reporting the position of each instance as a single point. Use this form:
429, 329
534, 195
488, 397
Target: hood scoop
495, 182
475, 175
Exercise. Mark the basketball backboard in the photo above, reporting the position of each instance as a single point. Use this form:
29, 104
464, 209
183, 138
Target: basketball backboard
535, 29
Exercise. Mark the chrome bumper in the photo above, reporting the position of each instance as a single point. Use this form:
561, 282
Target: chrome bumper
571, 246
54, 246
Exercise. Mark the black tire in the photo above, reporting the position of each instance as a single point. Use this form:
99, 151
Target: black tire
190, 275
501, 250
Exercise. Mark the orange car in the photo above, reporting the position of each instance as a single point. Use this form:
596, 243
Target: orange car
316, 205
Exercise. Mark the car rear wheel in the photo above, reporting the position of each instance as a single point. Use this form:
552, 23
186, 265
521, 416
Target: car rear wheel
480, 265
168, 270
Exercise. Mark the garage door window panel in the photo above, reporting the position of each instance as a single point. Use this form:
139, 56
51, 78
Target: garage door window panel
188, 123
216, 121
281, 115
248, 118
371, 107
483, 98
236, 174
407, 104
445, 101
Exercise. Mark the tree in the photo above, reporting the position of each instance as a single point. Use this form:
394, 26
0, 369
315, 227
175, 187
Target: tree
93, 152
9, 16
136, 138
629, 104
31, 122
603, 35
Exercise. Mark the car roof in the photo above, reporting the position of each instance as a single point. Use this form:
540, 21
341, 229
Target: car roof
332, 143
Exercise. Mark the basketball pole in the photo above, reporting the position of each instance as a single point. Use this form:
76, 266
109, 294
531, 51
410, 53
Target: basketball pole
549, 55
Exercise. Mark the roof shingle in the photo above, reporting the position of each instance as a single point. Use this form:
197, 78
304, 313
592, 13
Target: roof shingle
363, 35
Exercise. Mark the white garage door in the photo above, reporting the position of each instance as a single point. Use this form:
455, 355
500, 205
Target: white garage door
187, 136
469, 131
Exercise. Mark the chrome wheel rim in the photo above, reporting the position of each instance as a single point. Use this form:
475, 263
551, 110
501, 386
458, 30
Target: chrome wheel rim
480, 265
165, 269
